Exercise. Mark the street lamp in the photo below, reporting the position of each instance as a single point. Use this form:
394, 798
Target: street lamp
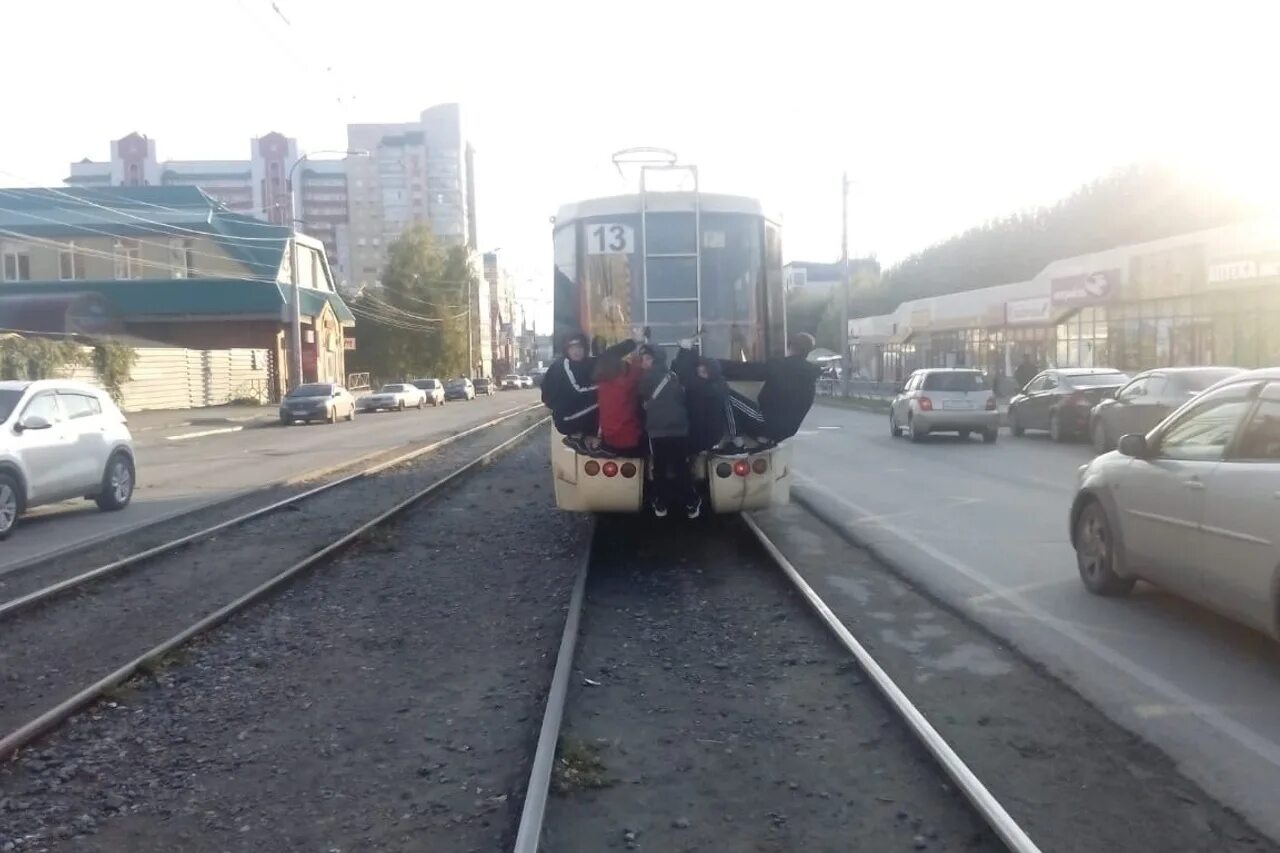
295, 319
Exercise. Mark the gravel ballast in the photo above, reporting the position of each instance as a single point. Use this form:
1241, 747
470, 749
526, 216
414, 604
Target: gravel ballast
710, 711
388, 700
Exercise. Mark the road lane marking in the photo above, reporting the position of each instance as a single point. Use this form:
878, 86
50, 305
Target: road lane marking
184, 436
1207, 714
512, 409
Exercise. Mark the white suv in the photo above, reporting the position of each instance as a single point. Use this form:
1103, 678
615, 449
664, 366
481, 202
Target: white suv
59, 440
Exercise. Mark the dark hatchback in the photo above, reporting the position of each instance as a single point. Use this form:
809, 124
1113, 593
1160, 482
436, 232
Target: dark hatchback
1149, 399
1060, 400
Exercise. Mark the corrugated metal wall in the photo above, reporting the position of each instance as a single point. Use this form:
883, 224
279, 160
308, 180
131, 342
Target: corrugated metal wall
177, 378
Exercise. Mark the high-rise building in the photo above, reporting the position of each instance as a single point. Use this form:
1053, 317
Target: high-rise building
258, 186
417, 173
502, 307
421, 172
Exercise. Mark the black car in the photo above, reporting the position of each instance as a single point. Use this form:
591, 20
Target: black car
1149, 399
1061, 399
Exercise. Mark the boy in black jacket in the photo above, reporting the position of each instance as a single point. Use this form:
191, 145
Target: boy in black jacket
567, 390
785, 398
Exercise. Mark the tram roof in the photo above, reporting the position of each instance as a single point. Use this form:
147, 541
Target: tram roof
660, 202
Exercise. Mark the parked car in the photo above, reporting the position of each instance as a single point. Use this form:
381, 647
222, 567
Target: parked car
317, 401
1147, 400
1060, 400
397, 395
1193, 505
484, 386
460, 389
526, 381
511, 382
432, 388
537, 376
945, 400
61, 440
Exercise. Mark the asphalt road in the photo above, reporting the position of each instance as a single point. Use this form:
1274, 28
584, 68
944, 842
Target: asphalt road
177, 476
984, 529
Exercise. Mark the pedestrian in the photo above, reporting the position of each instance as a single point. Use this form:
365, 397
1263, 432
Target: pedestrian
785, 398
666, 420
706, 397
567, 391
617, 379
1025, 372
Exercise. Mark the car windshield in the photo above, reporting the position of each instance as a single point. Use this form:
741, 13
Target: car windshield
511, 376
458, 383
8, 399
957, 381
311, 391
1196, 381
391, 389
426, 383
1096, 380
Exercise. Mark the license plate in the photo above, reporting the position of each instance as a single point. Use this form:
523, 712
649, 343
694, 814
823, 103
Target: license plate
957, 404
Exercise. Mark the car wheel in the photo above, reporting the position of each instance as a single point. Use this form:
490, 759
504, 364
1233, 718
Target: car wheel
1099, 434
1055, 428
117, 483
333, 416
351, 414
913, 432
420, 405
286, 421
964, 434
10, 504
894, 429
1096, 554
400, 406
990, 436
1015, 425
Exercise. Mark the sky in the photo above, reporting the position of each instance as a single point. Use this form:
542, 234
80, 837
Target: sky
944, 114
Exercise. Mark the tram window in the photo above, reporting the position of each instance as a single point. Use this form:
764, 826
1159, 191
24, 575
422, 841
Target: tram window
671, 321
670, 233
672, 278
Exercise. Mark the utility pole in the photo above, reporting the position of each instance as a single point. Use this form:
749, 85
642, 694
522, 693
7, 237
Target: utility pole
846, 361
471, 358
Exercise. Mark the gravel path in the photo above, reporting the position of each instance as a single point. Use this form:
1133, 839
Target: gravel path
1071, 777
389, 701
52, 650
711, 712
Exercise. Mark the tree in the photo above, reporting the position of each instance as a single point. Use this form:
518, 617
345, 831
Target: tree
1133, 205
416, 323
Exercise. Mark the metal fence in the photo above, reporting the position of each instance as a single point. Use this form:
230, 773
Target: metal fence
357, 381
863, 389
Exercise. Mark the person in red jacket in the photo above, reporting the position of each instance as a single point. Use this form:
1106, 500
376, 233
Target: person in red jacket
616, 378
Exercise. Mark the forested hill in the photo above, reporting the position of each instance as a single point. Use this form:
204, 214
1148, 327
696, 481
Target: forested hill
1133, 205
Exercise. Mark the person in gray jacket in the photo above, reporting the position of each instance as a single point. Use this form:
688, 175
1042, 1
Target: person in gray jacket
666, 422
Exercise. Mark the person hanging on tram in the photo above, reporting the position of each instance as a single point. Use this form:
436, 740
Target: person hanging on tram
785, 398
666, 421
706, 397
617, 379
568, 392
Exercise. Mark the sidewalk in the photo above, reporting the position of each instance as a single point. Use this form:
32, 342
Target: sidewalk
246, 417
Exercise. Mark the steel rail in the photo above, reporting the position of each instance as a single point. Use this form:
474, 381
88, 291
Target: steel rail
51, 718
47, 592
987, 806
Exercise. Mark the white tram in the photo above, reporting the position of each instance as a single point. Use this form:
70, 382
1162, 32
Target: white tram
681, 263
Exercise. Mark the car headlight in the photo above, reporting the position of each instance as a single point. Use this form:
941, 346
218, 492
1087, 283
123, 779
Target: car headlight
1081, 472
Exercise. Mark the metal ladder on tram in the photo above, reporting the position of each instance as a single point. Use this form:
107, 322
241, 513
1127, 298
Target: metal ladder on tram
665, 303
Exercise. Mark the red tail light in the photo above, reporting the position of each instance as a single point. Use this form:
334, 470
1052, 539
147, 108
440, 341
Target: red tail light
991, 404
628, 469
741, 468
760, 465
925, 404
610, 469
591, 468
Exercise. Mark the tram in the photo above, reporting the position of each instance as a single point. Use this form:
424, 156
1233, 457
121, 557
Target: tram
685, 264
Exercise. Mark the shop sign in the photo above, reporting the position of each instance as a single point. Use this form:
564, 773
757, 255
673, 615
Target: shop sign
1087, 289
1226, 273
1036, 309
348, 343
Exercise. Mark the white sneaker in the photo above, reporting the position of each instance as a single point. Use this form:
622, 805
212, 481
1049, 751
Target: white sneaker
659, 509
694, 509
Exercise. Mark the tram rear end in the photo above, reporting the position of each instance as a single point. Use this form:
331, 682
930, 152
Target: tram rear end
680, 263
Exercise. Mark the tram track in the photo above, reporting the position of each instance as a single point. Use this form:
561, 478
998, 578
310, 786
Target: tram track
659, 704
68, 643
